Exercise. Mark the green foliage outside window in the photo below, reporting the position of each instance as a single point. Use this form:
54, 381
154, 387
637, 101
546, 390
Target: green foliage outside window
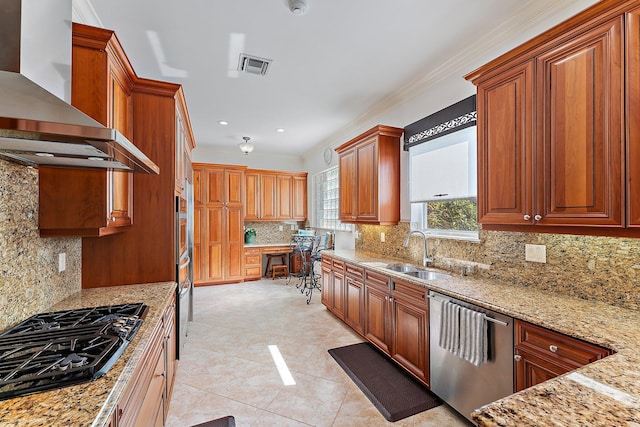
453, 215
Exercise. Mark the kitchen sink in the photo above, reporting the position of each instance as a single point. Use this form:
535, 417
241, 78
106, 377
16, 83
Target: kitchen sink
420, 273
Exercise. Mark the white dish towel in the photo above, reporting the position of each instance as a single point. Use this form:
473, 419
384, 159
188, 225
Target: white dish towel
450, 326
473, 337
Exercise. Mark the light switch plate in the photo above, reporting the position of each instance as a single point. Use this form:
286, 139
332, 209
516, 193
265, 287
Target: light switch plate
62, 262
535, 253
383, 237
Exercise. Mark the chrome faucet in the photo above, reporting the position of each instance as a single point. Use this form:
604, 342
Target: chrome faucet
426, 260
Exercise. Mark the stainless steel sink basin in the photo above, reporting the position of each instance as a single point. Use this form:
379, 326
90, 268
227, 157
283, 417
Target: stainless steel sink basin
428, 275
402, 268
420, 273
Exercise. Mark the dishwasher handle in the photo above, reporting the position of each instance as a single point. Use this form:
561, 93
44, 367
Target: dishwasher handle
490, 319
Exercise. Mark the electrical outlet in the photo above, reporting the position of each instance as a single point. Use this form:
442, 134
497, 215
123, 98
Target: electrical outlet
293, 227
383, 237
535, 253
62, 262
280, 228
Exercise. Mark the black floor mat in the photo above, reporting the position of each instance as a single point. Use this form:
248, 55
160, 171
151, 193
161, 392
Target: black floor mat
220, 422
393, 391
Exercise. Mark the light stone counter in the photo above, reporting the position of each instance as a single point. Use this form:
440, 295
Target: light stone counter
92, 404
603, 393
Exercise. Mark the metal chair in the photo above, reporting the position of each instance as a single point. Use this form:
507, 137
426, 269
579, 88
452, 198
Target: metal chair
308, 248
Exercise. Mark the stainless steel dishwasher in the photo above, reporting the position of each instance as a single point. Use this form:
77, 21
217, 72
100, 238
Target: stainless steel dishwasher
462, 385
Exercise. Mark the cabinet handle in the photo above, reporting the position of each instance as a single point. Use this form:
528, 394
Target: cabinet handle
527, 217
517, 357
111, 219
553, 348
537, 217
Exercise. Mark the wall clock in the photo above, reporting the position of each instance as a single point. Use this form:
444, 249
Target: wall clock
328, 154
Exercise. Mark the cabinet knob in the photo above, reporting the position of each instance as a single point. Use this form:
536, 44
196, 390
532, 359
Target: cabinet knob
517, 357
527, 217
537, 217
553, 348
112, 219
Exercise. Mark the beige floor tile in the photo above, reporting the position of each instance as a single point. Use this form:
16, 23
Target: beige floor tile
226, 367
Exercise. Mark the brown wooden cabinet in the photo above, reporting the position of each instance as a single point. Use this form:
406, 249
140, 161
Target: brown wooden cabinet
410, 328
145, 401
541, 354
377, 311
92, 202
354, 297
557, 139
370, 177
252, 263
275, 195
220, 248
161, 128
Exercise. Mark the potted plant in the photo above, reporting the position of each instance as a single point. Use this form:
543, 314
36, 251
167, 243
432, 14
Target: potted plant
249, 235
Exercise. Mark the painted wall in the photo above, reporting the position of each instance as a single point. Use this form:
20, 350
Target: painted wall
256, 160
29, 278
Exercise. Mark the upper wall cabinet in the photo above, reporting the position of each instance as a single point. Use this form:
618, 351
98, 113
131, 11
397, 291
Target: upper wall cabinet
86, 202
552, 124
369, 176
275, 195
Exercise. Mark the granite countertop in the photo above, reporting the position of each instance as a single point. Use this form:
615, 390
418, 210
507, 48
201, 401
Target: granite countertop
603, 393
92, 404
265, 245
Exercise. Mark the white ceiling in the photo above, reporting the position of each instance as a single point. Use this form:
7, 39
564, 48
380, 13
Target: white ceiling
335, 65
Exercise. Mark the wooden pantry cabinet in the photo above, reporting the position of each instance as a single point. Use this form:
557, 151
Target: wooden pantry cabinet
369, 176
541, 354
275, 195
161, 128
558, 148
219, 194
92, 202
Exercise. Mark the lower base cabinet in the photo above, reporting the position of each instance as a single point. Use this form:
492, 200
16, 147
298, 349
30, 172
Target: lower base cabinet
354, 297
146, 399
410, 328
541, 354
376, 311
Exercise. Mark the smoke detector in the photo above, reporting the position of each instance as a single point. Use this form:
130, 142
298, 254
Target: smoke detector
253, 64
298, 7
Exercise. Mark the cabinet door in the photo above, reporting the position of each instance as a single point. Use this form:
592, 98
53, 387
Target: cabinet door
354, 297
376, 314
252, 201
347, 178
505, 138
409, 342
284, 197
215, 244
234, 247
633, 112
531, 370
299, 198
337, 292
198, 229
580, 129
327, 285
367, 180
268, 205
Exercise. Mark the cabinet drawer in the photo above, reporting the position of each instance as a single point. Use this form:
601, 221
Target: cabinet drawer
252, 251
326, 263
550, 344
409, 292
253, 259
253, 271
354, 271
378, 281
338, 265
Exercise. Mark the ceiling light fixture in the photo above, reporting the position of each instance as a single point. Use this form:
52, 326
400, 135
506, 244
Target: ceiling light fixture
223, 122
280, 130
246, 147
297, 7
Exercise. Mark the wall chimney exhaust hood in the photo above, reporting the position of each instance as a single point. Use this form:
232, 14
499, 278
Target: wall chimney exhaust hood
38, 126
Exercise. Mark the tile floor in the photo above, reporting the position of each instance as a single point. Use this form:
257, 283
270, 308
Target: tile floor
227, 369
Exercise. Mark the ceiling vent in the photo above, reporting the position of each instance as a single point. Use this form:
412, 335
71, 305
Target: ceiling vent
253, 64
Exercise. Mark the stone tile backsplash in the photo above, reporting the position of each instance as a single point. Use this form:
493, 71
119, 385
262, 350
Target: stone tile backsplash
269, 232
598, 268
29, 278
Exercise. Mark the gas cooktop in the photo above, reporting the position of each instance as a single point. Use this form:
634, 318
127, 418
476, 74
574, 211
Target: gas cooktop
63, 348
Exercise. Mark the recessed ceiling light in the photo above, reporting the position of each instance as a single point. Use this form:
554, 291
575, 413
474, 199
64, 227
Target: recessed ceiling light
280, 130
44, 154
223, 122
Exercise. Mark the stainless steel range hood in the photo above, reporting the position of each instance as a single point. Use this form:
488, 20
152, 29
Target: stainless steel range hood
38, 126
